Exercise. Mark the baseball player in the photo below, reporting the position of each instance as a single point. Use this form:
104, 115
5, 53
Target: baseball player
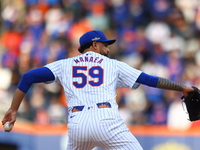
90, 81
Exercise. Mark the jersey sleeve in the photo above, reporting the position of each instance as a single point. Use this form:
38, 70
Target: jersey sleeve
127, 76
37, 75
56, 68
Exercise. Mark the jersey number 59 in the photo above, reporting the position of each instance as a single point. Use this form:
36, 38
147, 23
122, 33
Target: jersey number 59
95, 74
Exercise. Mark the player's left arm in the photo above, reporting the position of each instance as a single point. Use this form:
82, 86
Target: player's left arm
162, 83
38, 75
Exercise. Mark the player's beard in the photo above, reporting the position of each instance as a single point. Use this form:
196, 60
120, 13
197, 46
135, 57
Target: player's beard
104, 52
107, 54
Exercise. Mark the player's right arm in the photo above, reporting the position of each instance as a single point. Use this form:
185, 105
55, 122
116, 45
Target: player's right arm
38, 75
11, 114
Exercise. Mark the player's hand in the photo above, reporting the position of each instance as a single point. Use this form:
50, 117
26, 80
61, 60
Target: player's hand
10, 116
187, 90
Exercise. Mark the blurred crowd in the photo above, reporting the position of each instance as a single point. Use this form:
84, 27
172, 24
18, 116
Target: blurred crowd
159, 37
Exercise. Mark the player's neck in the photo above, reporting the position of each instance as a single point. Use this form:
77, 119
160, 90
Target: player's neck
90, 50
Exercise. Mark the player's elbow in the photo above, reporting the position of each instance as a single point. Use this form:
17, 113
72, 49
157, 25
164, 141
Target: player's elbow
25, 82
28, 77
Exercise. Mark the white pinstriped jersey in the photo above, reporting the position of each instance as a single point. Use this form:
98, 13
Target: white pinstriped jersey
89, 79
92, 78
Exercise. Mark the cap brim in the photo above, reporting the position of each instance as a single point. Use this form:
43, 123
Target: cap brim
109, 41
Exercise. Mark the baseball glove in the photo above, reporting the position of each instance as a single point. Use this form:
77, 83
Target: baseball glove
192, 102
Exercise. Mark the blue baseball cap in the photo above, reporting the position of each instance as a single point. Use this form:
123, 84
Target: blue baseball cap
93, 36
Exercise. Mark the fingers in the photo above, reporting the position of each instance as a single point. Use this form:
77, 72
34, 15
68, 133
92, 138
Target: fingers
5, 119
7, 131
3, 122
10, 117
10, 120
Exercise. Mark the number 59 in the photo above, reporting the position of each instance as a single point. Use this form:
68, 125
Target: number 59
95, 72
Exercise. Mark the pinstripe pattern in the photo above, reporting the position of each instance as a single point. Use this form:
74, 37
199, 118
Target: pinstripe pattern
89, 79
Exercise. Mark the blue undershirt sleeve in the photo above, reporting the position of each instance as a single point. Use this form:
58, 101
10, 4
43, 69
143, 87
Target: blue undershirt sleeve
148, 80
38, 75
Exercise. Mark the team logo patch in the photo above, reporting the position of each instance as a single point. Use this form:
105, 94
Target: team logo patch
88, 54
96, 38
91, 107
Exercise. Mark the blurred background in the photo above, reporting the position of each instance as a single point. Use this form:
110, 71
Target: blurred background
159, 37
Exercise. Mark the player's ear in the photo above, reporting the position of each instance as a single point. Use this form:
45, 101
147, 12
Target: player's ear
94, 45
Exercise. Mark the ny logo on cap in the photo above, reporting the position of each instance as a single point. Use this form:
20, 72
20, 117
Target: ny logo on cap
96, 38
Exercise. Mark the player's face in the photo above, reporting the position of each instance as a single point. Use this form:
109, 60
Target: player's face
104, 50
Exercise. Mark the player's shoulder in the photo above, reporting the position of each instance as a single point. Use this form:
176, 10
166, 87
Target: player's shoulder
58, 63
122, 65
